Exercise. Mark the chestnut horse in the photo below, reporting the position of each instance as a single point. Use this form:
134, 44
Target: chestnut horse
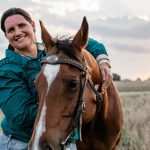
68, 99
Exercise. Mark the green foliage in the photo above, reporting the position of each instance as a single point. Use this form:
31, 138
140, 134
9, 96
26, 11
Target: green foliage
116, 77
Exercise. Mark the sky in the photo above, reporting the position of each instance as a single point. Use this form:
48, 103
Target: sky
123, 26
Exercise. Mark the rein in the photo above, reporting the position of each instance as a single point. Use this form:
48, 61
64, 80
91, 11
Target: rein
77, 122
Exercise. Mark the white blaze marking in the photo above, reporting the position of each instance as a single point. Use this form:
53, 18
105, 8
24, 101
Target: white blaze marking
50, 72
40, 128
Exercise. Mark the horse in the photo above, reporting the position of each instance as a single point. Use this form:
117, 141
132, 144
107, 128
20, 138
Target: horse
69, 101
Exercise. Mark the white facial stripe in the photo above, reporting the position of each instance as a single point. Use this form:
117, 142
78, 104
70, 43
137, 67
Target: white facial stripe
40, 128
50, 72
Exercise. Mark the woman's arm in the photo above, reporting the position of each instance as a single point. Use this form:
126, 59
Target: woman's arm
99, 52
16, 102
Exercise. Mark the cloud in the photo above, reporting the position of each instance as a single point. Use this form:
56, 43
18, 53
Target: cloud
123, 27
130, 48
123, 33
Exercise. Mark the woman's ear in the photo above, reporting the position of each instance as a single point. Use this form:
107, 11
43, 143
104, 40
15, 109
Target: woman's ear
33, 25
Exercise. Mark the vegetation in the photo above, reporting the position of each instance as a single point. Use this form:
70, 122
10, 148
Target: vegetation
129, 86
136, 108
116, 77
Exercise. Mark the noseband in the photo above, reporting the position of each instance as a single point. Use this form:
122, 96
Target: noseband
77, 122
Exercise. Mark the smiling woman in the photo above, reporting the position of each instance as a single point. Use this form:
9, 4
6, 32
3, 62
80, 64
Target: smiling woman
20, 105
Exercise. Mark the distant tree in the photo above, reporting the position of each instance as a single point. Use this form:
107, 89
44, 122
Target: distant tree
138, 79
127, 80
148, 79
116, 77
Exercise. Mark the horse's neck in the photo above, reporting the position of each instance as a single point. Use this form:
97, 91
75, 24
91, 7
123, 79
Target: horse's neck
107, 123
93, 68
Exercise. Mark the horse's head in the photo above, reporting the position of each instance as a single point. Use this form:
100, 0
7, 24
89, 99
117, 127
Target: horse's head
63, 89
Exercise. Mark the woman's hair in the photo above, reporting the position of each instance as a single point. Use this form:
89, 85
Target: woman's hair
11, 12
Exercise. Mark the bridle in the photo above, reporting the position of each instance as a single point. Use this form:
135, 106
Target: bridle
77, 122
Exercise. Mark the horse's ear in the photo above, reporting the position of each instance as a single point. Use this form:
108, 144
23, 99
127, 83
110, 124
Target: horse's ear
46, 37
81, 36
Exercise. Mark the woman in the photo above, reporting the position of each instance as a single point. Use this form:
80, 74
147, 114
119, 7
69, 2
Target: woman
18, 70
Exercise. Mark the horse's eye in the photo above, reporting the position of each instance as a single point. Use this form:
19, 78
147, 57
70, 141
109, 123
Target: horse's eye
73, 85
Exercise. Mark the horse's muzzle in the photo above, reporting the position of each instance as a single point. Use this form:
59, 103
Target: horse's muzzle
48, 147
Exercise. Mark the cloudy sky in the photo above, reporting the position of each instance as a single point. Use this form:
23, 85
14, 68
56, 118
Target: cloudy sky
123, 26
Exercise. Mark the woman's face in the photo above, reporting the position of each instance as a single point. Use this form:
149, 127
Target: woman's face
19, 32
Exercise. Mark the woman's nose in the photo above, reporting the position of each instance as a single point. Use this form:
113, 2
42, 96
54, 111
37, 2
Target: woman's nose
17, 32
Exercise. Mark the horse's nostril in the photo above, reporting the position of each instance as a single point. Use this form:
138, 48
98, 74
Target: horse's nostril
48, 147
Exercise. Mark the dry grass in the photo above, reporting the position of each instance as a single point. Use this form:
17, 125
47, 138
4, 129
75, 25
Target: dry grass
129, 86
136, 108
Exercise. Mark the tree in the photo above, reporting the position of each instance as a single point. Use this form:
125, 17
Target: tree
116, 77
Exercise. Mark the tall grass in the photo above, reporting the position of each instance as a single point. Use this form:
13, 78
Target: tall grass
136, 108
128, 86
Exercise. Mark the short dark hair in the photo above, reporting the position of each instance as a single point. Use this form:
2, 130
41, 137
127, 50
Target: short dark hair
14, 11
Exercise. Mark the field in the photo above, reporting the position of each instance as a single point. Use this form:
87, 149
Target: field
135, 98
136, 107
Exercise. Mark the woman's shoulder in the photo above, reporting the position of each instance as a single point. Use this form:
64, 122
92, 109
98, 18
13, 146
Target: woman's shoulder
6, 61
10, 68
7, 64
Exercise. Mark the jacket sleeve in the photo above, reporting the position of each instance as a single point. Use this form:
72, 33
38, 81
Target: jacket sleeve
16, 102
97, 49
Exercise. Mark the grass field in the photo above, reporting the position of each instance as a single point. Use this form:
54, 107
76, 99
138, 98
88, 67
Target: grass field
135, 98
129, 86
136, 107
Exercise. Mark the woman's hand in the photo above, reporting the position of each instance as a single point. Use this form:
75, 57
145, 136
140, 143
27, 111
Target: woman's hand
106, 76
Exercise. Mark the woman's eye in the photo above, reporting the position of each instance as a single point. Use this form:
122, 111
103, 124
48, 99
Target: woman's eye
10, 30
73, 85
22, 25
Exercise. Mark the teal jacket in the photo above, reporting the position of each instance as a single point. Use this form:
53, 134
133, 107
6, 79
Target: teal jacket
18, 95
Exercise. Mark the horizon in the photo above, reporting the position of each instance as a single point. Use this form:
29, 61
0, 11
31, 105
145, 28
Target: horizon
121, 26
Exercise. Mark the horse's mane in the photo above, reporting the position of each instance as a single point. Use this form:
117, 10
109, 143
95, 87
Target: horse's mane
64, 44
